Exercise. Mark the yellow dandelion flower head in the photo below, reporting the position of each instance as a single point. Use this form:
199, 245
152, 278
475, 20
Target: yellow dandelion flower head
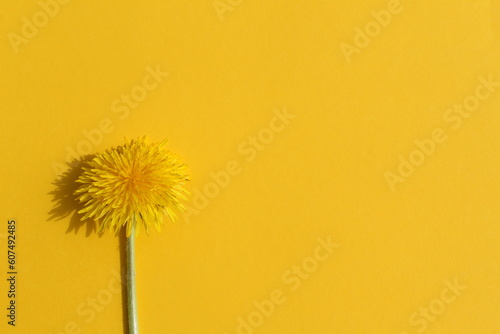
134, 185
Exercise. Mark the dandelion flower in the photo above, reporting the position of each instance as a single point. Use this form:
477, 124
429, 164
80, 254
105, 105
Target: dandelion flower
134, 185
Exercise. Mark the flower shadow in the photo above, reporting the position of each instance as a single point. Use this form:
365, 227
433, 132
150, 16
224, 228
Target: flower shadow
65, 201
65, 204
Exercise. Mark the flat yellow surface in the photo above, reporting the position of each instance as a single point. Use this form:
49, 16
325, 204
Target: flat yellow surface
343, 155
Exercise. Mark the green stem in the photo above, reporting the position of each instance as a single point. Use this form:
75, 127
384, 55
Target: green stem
133, 323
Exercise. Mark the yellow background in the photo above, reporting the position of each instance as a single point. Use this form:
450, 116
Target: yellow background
323, 175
